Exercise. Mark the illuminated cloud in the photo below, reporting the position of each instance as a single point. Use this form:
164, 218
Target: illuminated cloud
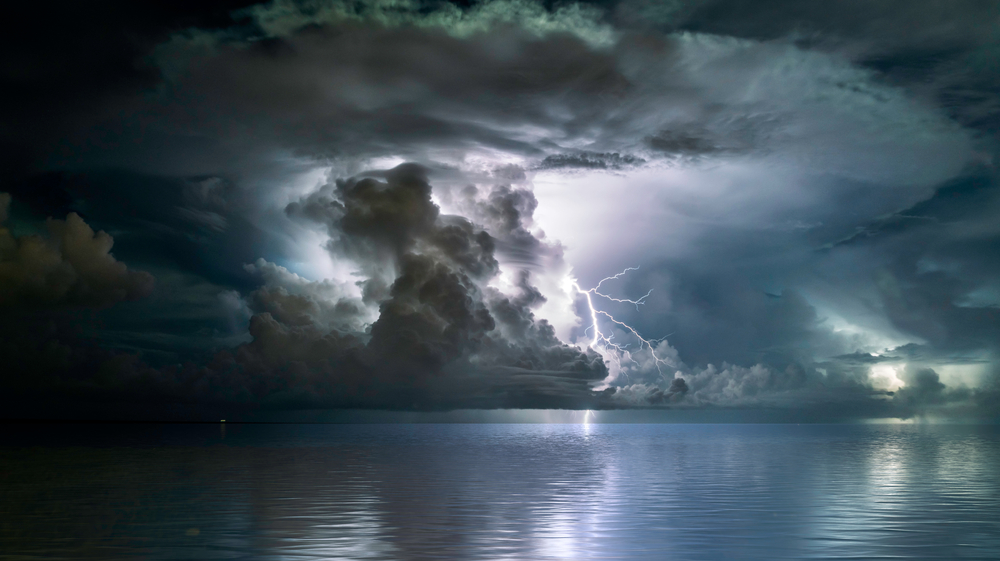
387, 204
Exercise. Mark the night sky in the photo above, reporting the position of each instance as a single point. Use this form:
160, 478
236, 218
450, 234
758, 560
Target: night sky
259, 210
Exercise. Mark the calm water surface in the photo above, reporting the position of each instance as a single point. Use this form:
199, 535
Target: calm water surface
528, 492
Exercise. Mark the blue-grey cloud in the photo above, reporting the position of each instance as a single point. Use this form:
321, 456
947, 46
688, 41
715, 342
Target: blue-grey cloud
809, 188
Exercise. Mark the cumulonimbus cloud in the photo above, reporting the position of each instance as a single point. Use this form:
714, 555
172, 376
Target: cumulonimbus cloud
755, 148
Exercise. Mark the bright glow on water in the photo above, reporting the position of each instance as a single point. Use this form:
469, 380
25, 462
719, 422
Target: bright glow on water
577, 491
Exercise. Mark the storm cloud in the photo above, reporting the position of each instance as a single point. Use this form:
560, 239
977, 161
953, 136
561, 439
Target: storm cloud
402, 205
70, 266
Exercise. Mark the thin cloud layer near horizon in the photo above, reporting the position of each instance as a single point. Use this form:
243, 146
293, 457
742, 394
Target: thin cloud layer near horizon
719, 210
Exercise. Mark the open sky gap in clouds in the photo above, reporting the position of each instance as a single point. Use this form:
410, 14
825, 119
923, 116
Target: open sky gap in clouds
386, 204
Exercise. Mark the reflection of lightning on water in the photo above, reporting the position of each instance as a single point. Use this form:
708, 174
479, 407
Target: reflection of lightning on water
603, 343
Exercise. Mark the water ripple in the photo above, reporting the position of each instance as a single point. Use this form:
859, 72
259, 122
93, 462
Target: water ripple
532, 492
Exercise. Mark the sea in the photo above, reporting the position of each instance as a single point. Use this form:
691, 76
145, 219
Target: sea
499, 491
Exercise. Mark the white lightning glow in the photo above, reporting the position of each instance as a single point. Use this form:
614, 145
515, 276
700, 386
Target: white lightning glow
603, 343
887, 376
620, 300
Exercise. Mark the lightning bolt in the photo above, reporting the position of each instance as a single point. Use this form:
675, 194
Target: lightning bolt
603, 343
619, 300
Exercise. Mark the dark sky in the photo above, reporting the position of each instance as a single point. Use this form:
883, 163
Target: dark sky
262, 209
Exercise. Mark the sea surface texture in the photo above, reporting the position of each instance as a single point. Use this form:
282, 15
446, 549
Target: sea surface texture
532, 492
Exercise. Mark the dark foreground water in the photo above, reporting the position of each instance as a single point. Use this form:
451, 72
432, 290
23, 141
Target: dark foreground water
499, 492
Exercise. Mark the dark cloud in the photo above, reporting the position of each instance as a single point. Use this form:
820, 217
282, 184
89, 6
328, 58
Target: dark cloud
71, 266
293, 300
428, 275
936, 276
442, 338
558, 88
935, 49
65, 64
198, 224
507, 214
808, 186
864, 358
414, 89
591, 160
717, 134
